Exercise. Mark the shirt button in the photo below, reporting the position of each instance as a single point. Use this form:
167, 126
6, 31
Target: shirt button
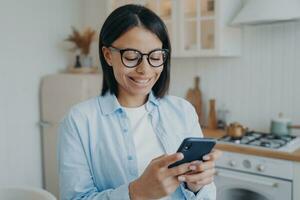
125, 130
129, 158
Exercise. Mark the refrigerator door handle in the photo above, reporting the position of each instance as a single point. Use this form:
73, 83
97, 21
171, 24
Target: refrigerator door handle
44, 124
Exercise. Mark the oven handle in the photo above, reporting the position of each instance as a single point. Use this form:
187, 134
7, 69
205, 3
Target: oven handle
275, 185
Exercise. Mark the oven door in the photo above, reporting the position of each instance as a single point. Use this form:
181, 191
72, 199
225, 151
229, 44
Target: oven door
233, 185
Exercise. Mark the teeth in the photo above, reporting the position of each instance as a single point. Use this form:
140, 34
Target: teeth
142, 81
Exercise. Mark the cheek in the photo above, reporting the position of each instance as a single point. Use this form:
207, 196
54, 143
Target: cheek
120, 73
116, 61
158, 72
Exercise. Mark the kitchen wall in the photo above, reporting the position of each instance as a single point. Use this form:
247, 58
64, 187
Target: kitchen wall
32, 45
256, 86
94, 15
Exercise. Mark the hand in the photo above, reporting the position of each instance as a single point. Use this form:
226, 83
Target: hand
158, 180
202, 173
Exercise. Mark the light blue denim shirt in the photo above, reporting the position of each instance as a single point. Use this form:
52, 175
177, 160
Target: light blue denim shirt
96, 152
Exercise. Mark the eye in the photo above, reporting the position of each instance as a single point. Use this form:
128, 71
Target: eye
155, 58
131, 55
156, 55
131, 59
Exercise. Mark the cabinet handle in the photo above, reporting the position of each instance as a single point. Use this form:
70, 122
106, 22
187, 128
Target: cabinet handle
269, 184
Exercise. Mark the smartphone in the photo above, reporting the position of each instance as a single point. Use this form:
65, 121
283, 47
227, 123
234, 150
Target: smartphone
194, 148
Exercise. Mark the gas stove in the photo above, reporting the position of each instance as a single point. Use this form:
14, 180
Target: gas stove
286, 143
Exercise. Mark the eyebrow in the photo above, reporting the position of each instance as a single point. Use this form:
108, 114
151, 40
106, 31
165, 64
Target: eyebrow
129, 48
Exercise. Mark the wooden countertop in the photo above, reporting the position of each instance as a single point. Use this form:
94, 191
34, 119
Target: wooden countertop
293, 156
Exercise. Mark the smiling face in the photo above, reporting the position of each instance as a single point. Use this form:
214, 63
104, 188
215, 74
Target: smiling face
134, 84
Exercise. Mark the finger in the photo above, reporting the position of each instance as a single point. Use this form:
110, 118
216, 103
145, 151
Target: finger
202, 182
193, 166
169, 159
171, 182
199, 176
201, 166
213, 155
159, 157
196, 162
178, 170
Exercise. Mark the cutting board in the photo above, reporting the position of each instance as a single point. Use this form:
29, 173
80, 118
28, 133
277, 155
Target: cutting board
194, 97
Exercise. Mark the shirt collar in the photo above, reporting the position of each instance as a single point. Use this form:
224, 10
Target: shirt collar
153, 99
109, 103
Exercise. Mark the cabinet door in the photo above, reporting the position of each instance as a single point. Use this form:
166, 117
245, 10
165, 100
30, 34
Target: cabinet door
207, 24
207, 8
198, 26
166, 12
189, 29
207, 34
165, 9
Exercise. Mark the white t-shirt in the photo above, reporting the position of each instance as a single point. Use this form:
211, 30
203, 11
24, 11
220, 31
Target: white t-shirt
146, 142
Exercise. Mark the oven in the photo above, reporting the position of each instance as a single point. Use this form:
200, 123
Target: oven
245, 177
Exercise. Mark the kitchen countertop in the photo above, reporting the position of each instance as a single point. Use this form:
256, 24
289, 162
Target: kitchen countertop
212, 133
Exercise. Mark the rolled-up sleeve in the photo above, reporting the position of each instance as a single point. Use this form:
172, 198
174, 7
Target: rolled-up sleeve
75, 175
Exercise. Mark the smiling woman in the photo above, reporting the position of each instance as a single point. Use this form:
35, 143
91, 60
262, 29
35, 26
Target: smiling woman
120, 145
139, 75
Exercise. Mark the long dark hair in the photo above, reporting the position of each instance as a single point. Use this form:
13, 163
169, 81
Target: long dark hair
119, 22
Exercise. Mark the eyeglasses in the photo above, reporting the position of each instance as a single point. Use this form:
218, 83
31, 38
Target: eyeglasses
133, 57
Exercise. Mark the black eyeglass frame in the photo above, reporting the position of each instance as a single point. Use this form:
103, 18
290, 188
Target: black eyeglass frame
122, 51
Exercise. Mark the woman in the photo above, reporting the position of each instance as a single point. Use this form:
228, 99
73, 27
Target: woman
119, 145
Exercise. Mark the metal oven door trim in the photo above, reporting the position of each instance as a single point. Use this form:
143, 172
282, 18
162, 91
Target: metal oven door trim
243, 178
270, 188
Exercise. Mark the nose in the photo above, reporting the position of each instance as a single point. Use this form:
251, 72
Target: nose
144, 65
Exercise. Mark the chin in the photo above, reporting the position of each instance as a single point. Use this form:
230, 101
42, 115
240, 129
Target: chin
141, 92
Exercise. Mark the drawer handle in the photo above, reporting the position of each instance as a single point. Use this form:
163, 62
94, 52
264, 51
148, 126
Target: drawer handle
269, 184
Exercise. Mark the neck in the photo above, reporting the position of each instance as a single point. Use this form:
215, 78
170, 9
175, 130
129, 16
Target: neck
132, 101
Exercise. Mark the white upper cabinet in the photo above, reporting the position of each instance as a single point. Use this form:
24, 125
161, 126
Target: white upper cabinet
197, 28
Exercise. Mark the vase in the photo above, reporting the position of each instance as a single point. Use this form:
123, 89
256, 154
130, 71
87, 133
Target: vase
77, 62
86, 61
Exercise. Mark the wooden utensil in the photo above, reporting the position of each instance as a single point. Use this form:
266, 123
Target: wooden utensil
194, 97
212, 115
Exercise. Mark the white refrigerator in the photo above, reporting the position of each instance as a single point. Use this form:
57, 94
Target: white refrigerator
58, 94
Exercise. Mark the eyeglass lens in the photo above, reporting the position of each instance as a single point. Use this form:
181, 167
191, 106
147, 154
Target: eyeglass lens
132, 58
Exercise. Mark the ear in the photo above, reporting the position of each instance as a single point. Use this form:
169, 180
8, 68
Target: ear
107, 55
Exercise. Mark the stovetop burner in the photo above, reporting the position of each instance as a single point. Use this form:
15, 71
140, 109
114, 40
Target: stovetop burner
265, 140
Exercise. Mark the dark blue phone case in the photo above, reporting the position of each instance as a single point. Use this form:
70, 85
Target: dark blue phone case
194, 149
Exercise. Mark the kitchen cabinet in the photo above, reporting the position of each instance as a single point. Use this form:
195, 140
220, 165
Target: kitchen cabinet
197, 28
